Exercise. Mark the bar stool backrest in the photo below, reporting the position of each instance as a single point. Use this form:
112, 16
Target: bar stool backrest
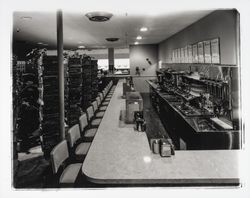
90, 113
83, 122
58, 155
73, 135
98, 100
104, 93
101, 96
95, 105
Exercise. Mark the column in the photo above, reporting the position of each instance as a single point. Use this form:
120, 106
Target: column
59, 21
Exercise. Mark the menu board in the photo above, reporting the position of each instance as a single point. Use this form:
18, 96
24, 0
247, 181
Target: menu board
190, 56
182, 55
200, 52
207, 51
195, 53
186, 54
215, 51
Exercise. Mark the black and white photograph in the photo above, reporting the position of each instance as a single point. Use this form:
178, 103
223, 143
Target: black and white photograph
122, 96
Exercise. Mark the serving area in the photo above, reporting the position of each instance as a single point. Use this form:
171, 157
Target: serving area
198, 129
121, 155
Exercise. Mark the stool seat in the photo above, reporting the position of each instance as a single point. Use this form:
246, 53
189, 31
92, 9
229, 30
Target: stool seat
103, 108
105, 103
69, 174
82, 149
90, 132
96, 121
100, 114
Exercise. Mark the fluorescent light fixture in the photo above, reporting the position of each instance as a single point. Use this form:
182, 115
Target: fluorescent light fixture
81, 47
144, 29
138, 37
136, 43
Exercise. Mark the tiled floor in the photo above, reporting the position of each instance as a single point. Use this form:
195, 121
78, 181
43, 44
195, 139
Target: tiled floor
34, 171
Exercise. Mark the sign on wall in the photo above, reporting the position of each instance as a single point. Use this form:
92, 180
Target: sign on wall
215, 51
207, 52
202, 52
190, 55
195, 53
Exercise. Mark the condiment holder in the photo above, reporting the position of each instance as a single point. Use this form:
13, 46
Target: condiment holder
162, 146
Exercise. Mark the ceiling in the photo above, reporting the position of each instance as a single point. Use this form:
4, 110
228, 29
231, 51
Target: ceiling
39, 28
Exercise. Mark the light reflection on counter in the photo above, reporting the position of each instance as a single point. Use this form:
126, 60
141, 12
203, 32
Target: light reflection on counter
147, 159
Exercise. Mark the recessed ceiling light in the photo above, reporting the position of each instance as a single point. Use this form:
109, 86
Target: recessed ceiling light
81, 47
112, 39
138, 37
99, 16
144, 29
136, 43
26, 17
41, 43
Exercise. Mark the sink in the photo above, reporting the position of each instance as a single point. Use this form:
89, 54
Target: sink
205, 125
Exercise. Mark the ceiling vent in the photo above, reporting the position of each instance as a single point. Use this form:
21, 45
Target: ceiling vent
112, 39
99, 16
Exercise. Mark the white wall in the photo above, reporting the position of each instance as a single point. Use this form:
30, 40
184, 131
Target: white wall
138, 55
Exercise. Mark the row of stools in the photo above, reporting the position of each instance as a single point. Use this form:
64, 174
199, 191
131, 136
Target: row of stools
67, 156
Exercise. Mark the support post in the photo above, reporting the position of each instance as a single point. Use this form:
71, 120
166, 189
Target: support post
111, 59
59, 20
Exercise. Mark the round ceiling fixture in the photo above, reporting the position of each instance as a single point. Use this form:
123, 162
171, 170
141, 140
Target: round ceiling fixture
112, 39
144, 29
81, 47
138, 37
99, 16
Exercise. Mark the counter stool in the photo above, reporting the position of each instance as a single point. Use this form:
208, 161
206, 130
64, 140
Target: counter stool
65, 173
96, 110
87, 132
99, 114
78, 148
103, 99
91, 119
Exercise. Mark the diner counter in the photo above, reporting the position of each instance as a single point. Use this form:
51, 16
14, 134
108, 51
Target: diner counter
121, 155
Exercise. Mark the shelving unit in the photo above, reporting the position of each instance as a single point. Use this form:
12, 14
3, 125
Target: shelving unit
50, 98
94, 79
74, 90
87, 82
25, 100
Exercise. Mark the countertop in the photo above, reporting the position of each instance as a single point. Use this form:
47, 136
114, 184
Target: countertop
121, 155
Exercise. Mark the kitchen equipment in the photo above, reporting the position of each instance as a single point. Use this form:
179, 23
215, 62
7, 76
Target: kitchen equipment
165, 148
133, 103
156, 146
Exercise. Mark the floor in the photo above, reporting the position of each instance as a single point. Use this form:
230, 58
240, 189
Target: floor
33, 171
